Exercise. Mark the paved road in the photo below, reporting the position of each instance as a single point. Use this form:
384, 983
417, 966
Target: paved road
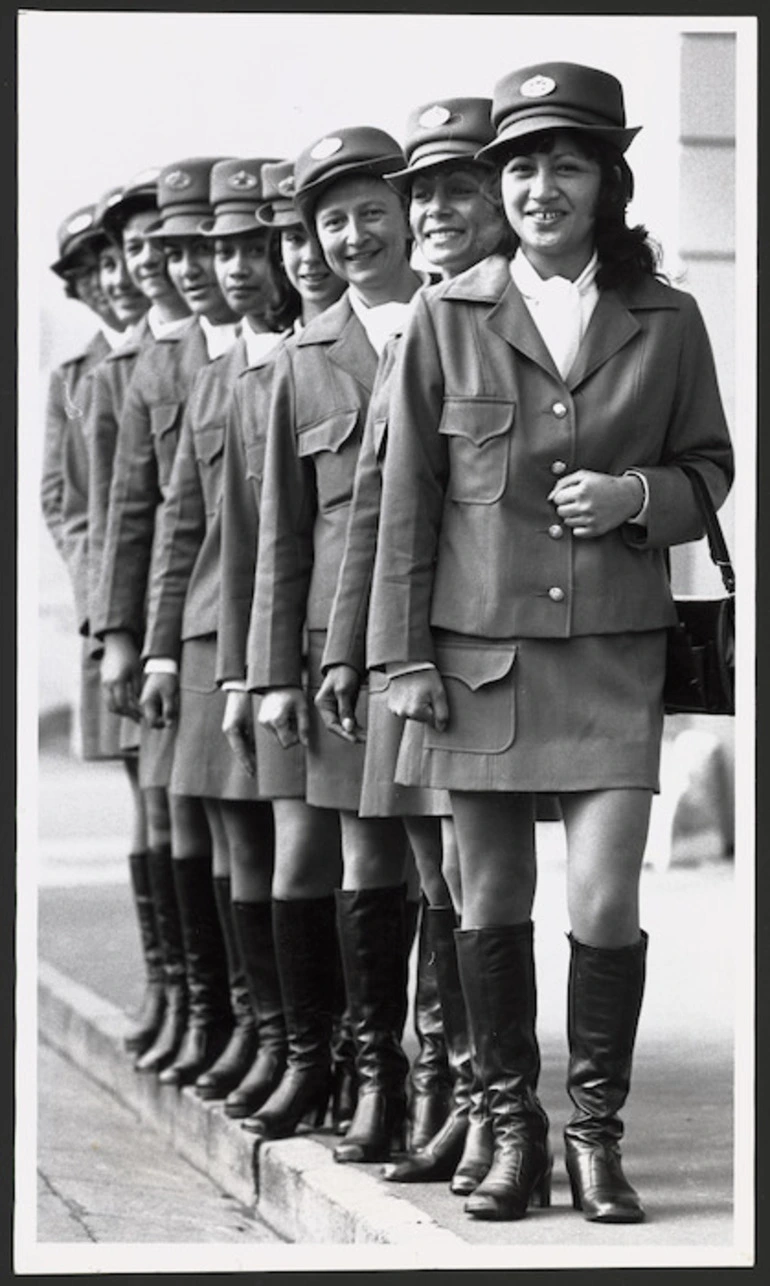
104, 1177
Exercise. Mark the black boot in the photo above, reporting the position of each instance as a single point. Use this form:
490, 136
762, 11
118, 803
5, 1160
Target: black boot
164, 1048
343, 1048
254, 934
498, 978
604, 1001
241, 1049
371, 926
430, 1081
153, 1005
304, 948
209, 1018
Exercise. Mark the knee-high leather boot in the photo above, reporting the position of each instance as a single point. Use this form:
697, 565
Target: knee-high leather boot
209, 1017
241, 1049
498, 979
304, 945
343, 1048
169, 1037
371, 926
430, 1081
150, 1016
604, 1001
254, 933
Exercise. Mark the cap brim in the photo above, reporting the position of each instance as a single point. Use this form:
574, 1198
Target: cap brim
65, 264
306, 199
179, 225
616, 135
230, 225
402, 179
274, 216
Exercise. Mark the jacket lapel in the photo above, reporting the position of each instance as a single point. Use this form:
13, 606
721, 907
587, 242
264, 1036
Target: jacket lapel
610, 328
490, 282
348, 346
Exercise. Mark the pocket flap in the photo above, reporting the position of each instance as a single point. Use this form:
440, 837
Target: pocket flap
328, 434
163, 417
209, 441
474, 666
477, 419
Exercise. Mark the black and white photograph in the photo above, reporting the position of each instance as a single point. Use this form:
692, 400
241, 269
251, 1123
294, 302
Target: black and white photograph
384, 381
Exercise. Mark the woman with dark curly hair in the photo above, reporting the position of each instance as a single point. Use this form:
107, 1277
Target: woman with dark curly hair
541, 410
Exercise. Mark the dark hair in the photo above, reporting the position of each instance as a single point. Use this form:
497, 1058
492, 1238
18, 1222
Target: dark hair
626, 255
285, 304
135, 203
83, 261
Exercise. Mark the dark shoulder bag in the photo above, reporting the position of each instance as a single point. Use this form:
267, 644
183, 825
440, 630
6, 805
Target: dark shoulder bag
700, 660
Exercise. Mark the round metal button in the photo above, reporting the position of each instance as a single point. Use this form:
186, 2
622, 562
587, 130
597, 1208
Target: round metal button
555, 594
559, 409
558, 467
556, 532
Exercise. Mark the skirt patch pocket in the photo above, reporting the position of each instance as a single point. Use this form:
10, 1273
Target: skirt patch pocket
481, 691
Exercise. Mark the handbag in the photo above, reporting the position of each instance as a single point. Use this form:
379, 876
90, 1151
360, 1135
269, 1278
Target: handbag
700, 656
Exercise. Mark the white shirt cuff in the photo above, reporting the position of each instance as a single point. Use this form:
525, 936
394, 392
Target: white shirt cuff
161, 665
234, 685
641, 516
394, 669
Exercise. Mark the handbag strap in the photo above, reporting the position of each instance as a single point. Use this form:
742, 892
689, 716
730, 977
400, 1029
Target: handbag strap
718, 550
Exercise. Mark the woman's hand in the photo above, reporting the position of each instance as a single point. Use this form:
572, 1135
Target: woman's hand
420, 695
160, 700
121, 675
336, 701
592, 504
238, 727
285, 712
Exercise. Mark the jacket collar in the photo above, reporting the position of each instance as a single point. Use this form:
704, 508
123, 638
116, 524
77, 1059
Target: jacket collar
139, 336
612, 325
349, 347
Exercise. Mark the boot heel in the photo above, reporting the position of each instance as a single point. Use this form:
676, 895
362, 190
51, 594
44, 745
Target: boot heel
541, 1193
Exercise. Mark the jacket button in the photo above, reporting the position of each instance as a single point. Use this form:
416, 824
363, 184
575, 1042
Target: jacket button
558, 467
555, 594
559, 410
556, 532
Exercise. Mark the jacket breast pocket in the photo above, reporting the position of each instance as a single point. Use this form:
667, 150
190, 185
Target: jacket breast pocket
481, 691
479, 445
165, 422
326, 442
209, 446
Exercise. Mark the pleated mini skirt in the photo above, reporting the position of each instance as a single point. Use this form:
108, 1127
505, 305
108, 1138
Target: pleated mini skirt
102, 733
204, 766
547, 715
280, 771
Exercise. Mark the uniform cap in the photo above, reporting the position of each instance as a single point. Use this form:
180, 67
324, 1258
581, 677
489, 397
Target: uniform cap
77, 231
443, 132
183, 197
558, 96
277, 209
235, 191
358, 149
140, 193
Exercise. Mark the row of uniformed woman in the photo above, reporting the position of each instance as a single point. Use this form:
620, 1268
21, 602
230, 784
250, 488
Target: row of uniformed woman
371, 550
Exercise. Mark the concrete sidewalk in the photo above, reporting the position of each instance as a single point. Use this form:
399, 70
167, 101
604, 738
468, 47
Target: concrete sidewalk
679, 1120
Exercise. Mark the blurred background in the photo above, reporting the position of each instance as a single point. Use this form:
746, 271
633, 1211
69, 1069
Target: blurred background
102, 95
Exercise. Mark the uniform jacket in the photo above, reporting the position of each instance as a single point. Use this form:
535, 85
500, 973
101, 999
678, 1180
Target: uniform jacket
346, 638
144, 454
321, 390
482, 425
184, 596
243, 469
64, 479
107, 389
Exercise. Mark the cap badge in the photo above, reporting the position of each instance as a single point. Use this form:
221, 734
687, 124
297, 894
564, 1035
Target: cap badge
325, 148
114, 198
537, 87
432, 117
178, 180
79, 223
242, 180
286, 186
